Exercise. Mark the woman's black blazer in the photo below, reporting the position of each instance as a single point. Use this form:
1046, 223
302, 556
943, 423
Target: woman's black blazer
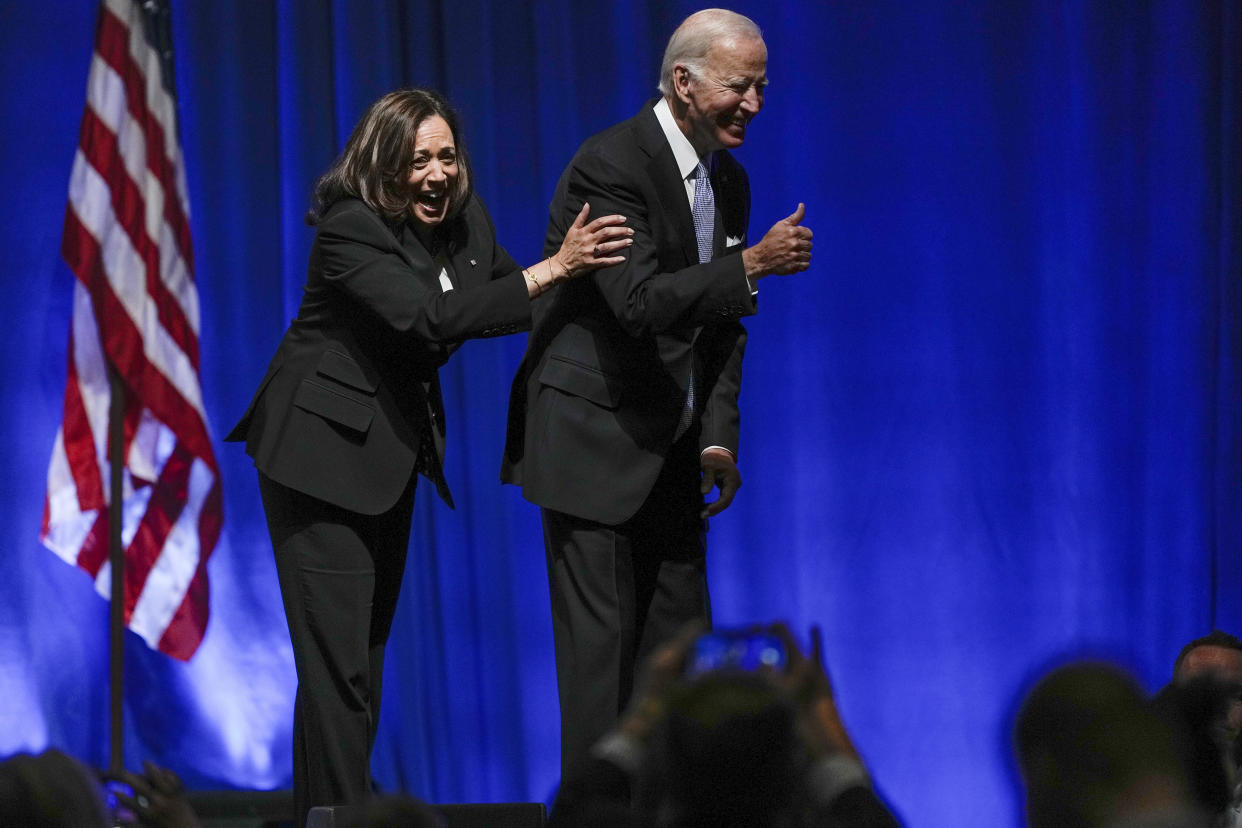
351, 396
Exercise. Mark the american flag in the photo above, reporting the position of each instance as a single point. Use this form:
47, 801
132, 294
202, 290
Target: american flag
135, 308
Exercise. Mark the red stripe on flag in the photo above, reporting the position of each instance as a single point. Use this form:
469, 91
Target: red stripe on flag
78, 246
189, 622
124, 346
99, 146
113, 47
211, 517
94, 551
168, 497
80, 442
129, 427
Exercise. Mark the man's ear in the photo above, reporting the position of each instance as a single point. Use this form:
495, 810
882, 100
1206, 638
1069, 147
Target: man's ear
681, 82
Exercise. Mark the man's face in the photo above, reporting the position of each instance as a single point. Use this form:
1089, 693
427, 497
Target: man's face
723, 98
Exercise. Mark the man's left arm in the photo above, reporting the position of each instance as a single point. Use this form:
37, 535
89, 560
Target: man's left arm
721, 419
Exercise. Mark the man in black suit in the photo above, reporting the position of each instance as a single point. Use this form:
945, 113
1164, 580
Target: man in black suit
623, 414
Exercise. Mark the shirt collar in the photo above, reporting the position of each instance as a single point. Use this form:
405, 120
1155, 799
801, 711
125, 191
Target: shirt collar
683, 151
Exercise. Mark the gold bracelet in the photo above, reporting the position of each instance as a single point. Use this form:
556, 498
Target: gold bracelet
533, 281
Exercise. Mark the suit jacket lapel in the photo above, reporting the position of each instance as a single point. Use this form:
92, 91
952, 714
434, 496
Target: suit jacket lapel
669, 186
465, 267
412, 250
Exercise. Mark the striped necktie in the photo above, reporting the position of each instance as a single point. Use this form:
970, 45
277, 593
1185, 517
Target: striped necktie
704, 213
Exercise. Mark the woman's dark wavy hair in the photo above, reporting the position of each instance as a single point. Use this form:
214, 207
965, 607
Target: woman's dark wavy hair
375, 165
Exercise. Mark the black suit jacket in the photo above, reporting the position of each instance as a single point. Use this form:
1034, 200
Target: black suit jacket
596, 401
351, 396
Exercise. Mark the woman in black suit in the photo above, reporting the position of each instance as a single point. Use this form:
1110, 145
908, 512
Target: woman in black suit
405, 266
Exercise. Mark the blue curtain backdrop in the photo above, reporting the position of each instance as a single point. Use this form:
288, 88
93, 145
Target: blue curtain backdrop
998, 423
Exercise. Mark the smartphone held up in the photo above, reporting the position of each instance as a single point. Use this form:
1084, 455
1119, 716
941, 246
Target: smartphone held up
745, 650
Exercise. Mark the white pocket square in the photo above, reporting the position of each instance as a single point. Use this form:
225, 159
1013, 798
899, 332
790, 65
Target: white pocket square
732, 241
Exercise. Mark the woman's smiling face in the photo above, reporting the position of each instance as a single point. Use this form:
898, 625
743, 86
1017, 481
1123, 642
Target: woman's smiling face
433, 170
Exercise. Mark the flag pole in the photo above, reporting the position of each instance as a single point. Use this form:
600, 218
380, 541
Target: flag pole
116, 556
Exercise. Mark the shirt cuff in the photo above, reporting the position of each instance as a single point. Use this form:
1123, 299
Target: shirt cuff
832, 776
732, 456
626, 752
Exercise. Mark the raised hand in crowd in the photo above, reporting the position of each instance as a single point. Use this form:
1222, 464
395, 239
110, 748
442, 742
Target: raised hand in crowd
158, 799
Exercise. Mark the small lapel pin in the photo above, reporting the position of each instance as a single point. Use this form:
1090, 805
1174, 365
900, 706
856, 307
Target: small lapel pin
473, 263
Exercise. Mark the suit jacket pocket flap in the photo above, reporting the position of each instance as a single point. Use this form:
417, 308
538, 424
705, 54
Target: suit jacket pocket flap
345, 369
581, 381
332, 405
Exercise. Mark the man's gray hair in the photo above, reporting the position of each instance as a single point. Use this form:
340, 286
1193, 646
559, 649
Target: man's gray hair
694, 38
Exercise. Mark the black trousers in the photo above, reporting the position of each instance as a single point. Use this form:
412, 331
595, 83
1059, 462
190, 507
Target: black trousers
618, 593
340, 575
